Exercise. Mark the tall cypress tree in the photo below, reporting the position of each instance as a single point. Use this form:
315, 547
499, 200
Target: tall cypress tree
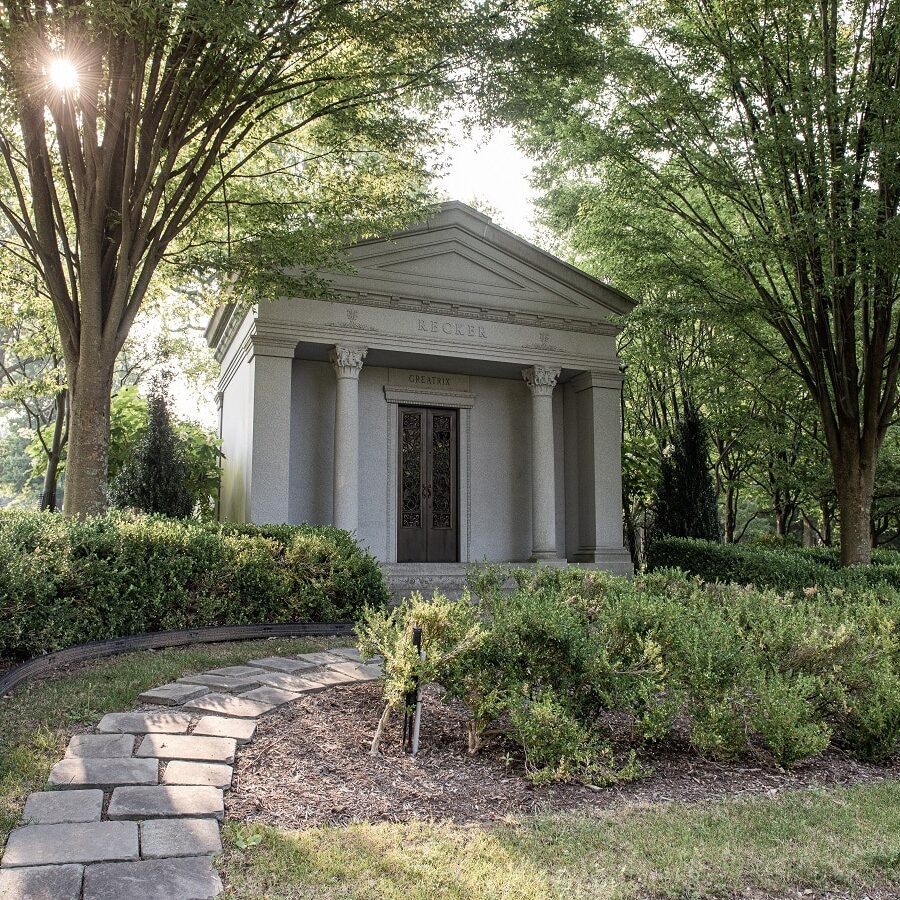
154, 480
686, 503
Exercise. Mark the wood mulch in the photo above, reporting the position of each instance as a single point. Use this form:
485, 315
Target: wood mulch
309, 764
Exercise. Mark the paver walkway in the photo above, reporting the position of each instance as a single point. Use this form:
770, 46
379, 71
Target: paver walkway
133, 811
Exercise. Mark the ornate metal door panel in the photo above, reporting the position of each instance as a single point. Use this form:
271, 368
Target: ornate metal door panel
428, 502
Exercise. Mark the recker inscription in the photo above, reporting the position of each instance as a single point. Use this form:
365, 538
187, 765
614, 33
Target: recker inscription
452, 329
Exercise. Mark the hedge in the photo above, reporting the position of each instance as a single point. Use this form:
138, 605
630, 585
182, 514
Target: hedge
65, 582
783, 568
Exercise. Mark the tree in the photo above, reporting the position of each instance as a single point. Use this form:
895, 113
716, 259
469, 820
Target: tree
766, 135
233, 139
154, 478
686, 499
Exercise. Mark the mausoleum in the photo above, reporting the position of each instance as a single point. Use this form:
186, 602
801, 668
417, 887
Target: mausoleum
457, 399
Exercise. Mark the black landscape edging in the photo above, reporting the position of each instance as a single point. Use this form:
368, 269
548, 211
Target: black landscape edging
155, 640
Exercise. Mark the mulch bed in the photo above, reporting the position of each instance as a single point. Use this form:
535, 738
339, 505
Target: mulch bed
309, 764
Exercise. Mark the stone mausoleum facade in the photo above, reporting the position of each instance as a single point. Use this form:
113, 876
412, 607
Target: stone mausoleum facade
458, 398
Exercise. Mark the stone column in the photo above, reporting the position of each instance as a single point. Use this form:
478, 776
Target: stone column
348, 363
268, 473
541, 382
598, 397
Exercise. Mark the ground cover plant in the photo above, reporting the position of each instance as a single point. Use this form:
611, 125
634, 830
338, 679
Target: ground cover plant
744, 671
38, 719
66, 581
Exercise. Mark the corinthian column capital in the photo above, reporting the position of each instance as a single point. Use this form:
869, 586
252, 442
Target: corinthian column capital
541, 380
347, 361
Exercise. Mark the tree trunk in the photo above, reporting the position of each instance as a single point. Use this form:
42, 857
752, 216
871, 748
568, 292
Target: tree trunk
854, 480
60, 435
730, 513
90, 386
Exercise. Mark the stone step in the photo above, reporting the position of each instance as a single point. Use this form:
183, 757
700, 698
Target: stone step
173, 694
231, 684
86, 842
62, 807
242, 730
146, 723
214, 774
166, 802
161, 838
357, 671
103, 773
191, 878
226, 705
275, 696
41, 883
188, 746
284, 664
100, 746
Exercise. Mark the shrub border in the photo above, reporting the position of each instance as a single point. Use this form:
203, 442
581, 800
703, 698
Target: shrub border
154, 640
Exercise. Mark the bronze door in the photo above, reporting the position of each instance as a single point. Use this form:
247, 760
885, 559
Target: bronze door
428, 501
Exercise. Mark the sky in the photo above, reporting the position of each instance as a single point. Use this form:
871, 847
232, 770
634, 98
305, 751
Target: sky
489, 168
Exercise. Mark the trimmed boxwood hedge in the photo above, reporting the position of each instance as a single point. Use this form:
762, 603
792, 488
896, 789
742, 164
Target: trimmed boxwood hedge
782, 568
65, 582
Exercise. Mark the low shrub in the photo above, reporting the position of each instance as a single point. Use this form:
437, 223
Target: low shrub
65, 582
739, 670
782, 567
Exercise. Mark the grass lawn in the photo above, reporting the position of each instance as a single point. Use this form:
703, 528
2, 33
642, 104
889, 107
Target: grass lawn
38, 719
845, 839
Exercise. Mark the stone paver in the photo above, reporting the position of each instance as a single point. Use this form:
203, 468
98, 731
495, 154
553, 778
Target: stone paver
41, 883
173, 694
61, 807
226, 705
99, 746
283, 664
234, 671
191, 878
357, 671
232, 684
350, 653
299, 684
103, 773
274, 696
166, 802
180, 837
321, 657
242, 730
329, 678
146, 723
215, 774
86, 842
188, 746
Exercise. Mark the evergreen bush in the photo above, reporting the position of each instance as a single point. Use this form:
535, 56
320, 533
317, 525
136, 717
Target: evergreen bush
154, 479
685, 504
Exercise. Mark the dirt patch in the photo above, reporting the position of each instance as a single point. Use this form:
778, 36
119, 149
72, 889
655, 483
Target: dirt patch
309, 764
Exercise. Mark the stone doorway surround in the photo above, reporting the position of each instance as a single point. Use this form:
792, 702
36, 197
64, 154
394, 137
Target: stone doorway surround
396, 395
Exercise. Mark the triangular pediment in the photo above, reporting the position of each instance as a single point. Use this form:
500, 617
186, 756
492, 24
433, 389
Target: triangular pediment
457, 267
461, 258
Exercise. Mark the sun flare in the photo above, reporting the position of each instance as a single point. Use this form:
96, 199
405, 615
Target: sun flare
63, 74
